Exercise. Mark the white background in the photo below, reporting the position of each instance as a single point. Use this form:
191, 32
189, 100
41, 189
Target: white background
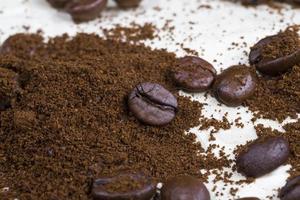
212, 31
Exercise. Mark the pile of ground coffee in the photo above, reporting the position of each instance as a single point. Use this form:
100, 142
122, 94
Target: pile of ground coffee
70, 122
282, 94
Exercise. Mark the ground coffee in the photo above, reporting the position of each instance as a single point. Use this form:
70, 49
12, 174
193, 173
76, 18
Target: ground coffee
70, 123
282, 94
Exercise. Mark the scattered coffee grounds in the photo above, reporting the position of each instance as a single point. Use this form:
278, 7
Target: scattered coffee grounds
70, 124
277, 98
216, 125
292, 135
133, 33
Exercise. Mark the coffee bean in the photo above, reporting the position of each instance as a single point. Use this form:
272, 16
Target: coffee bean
296, 1
274, 66
24, 44
263, 157
152, 104
58, 3
9, 87
234, 85
128, 3
193, 74
252, 2
125, 186
249, 198
184, 188
291, 191
85, 10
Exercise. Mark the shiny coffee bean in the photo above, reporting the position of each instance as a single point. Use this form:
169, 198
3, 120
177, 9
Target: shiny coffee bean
152, 104
9, 87
291, 191
85, 10
193, 74
249, 198
252, 2
58, 3
234, 85
263, 157
184, 188
145, 190
272, 67
128, 3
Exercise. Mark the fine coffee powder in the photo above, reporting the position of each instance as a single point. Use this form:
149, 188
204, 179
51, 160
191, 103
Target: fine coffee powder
70, 123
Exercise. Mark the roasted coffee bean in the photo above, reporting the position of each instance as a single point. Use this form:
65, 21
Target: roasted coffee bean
24, 44
9, 87
272, 67
253, 2
296, 1
262, 157
128, 3
152, 104
249, 198
184, 188
291, 191
137, 187
234, 85
193, 74
58, 3
85, 10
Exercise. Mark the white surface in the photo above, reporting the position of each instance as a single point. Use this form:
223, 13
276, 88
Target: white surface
213, 31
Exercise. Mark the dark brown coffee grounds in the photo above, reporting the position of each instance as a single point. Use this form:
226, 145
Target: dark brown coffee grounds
282, 94
217, 125
286, 43
214, 124
133, 33
71, 124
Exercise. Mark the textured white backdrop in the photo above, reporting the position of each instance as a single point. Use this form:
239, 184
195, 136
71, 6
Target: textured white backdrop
213, 30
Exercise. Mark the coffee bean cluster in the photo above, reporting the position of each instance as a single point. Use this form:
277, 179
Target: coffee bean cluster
86, 10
